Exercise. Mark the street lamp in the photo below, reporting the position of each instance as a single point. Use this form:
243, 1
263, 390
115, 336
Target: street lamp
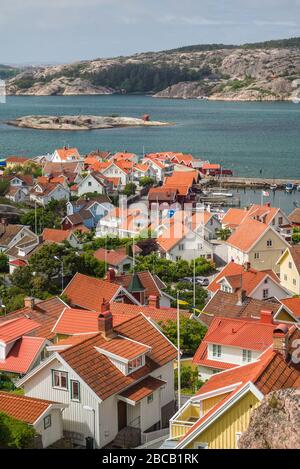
62, 271
91, 409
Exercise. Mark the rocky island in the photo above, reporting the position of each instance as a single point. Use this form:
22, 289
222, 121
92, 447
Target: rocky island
83, 122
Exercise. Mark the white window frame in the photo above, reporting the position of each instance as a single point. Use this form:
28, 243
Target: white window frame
217, 350
247, 356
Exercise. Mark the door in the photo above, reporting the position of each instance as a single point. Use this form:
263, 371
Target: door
122, 415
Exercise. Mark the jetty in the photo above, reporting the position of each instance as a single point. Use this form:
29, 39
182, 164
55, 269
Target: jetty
253, 183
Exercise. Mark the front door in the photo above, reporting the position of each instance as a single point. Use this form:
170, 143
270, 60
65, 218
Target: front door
122, 415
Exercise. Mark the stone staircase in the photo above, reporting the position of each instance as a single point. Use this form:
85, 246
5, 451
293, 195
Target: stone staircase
128, 437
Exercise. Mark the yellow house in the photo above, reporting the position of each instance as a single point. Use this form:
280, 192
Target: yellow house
257, 243
216, 416
289, 311
289, 269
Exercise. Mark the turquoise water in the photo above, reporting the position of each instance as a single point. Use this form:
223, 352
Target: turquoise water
244, 137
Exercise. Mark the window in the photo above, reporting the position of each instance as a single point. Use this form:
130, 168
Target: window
294, 281
217, 350
134, 364
290, 265
247, 356
256, 255
285, 277
265, 293
269, 243
59, 379
150, 399
89, 183
280, 221
266, 280
237, 438
47, 422
181, 247
75, 390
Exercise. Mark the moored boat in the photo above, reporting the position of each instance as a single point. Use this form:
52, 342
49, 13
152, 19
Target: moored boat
289, 187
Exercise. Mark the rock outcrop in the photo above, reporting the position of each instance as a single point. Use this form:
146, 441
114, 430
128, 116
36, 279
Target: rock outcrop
275, 424
235, 73
80, 122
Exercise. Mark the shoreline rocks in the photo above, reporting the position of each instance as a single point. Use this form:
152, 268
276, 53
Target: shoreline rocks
83, 122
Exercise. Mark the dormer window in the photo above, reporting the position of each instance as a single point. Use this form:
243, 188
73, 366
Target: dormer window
269, 243
136, 363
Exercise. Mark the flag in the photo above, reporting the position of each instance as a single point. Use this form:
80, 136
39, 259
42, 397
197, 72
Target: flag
265, 193
202, 312
181, 302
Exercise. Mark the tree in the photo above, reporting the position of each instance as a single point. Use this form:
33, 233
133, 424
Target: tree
191, 334
146, 181
129, 189
223, 233
3, 262
4, 185
189, 379
296, 235
15, 434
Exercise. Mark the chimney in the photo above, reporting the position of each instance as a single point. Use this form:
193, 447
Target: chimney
105, 320
247, 266
241, 296
153, 301
266, 317
280, 339
4, 221
111, 275
29, 302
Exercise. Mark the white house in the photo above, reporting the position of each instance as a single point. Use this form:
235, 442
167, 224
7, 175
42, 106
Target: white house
115, 170
93, 182
44, 416
42, 194
118, 378
230, 342
65, 154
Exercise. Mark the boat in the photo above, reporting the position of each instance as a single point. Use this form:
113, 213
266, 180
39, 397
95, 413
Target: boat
289, 187
222, 194
273, 187
298, 187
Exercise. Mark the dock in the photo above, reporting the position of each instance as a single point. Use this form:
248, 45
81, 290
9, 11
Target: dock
259, 183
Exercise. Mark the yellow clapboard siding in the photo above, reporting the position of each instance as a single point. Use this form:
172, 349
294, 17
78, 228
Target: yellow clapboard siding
221, 434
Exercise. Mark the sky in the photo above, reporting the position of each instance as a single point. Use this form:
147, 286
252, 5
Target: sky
61, 31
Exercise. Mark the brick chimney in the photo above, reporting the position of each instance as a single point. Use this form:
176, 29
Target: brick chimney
29, 302
153, 301
280, 339
105, 320
111, 275
241, 296
247, 266
266, 317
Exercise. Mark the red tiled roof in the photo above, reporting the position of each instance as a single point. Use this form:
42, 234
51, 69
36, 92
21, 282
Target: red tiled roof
239, 277
17, 159
45, 313
210, 166
65, 153
22, 355
112, 257
24, 408
89, 292
293, 304
76, 321
247, 234
159, 315
18, 262
13, 329
124, 348
144, 388
152, 284
56, 236
246, 334
98, 371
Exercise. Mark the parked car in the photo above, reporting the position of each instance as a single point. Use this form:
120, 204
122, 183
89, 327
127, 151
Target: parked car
203, 281
186, 279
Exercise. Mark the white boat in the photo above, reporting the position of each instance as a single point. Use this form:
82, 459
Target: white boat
289, 187
273, 187
298, 187
222, 194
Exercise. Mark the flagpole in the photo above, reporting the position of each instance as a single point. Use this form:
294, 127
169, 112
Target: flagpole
178, 355
194, 282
